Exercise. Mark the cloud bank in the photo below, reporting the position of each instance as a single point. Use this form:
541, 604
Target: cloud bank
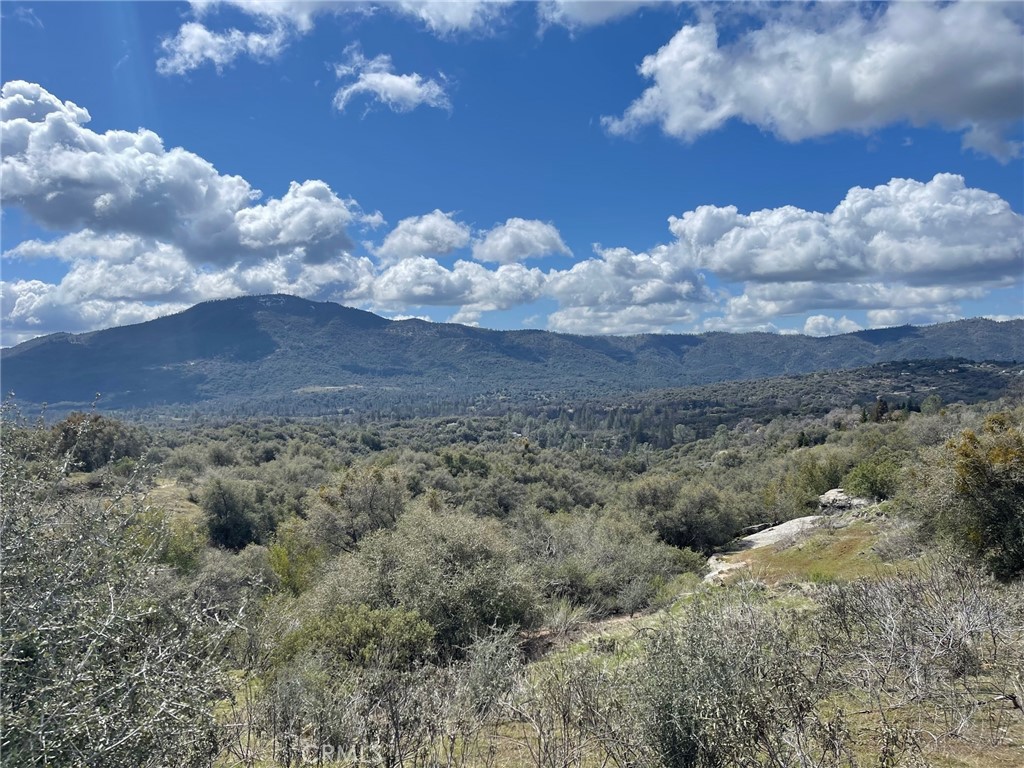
140, 230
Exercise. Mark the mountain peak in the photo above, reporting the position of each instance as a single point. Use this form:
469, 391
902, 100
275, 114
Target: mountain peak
284, 349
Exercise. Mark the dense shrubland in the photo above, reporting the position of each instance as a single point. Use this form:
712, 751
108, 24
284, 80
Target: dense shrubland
107, 661
412, 592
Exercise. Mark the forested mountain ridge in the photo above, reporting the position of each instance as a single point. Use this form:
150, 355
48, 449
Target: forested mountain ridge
287, 348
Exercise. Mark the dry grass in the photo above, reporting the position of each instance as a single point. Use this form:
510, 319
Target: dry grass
961, 754
173, 499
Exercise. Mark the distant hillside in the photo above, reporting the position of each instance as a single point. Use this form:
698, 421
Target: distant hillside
309, 356
645, 416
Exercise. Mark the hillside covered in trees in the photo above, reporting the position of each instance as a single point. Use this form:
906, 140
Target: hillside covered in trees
289, 356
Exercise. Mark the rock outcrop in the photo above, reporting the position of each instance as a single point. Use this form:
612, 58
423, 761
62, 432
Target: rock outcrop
838, 500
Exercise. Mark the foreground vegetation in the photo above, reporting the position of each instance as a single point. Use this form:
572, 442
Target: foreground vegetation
456, 591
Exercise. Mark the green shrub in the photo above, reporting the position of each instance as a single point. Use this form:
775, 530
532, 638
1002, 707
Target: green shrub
972, 494
702, 518
92, 441
608, 562
296, 555
458, 572
726, 684
231, 512
876, 477
187, 538
357, 635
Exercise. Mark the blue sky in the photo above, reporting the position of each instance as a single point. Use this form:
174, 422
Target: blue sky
606, 167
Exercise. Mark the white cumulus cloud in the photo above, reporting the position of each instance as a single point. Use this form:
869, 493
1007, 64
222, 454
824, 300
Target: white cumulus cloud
763, 303
433, 234
146, 230
959, 65
890, 318
517, 240
195, 44
916, 232
67, 177
278, 24
421, 281
309, 219
297, 13
620, 278
589, 13
650, 318
418, 281
33, 307
625, 292
824, 325
905, 249
445, 17
141, 230
376, 78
